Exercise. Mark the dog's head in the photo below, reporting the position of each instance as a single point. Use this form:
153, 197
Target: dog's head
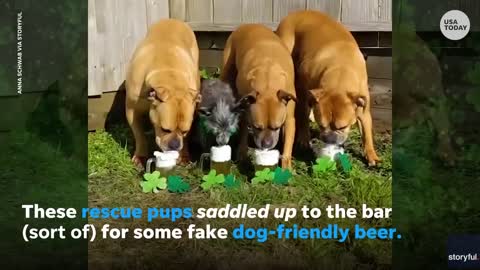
335, 113
267, 114
221, 120
171, 113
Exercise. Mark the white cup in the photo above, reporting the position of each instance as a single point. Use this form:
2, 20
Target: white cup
266, 157
163, 160
221, 153
331, 150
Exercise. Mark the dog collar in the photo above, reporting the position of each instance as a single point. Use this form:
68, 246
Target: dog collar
203, 125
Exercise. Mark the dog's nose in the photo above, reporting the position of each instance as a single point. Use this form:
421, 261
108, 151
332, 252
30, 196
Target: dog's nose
222, 139
330, 138
267, 142
174, 144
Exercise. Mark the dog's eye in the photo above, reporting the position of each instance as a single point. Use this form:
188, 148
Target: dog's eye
166, 130
342, 128
184, 133
274, 128
257, 128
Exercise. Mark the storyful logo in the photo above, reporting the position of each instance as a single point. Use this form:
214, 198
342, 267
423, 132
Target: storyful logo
463, 251
455, 25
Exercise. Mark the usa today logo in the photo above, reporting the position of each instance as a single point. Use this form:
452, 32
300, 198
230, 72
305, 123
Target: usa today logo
455, 25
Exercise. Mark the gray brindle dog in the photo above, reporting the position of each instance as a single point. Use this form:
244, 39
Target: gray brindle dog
219, 113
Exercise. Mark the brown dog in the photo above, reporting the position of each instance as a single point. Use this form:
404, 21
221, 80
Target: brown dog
331, 75
257, 62
163, 82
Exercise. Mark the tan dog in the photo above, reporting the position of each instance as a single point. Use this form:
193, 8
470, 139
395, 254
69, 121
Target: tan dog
256, 61
163, 82
331, 75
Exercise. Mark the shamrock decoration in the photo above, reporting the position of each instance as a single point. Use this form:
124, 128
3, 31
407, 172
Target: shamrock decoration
153, 182
231, 182
344, 162
324, 164
177, 185
204, 74
281, 177
263, 176
212, 179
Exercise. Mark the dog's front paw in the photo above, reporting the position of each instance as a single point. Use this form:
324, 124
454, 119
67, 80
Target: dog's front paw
303, 140
139, 161
372, 157
287, 163
184, 159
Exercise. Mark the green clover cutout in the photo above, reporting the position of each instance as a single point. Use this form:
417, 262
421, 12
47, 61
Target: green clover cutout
345, 163
177, 185
153, 182
231, 182
212, 179
281, 177
324, 164
204, 74
263, 176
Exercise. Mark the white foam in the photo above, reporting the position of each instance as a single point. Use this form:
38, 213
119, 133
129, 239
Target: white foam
167, 159
266, 157
331, 150
221, 153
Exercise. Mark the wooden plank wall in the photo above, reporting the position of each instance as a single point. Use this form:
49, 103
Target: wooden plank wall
116, 26
114, 29
358, 15
371, 14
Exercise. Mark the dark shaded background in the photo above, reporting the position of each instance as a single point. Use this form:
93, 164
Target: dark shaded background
43, 142
436, 115
43, 158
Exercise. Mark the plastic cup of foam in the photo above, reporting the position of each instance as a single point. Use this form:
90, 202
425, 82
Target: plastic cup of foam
220, 159
331, 150
221, 153
166, 160
266, 158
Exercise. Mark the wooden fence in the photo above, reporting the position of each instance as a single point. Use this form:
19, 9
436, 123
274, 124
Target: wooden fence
116, 26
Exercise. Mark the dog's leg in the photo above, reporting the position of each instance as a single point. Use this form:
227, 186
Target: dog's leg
243, 144
185, 153
288, 136
141, 149
365, 124
302, 111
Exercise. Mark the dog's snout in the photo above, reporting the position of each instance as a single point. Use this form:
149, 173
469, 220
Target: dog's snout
222, 139
267, 142
330, 138
174, 144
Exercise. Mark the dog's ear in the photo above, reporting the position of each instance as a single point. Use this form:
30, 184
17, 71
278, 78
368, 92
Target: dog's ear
285, 96
204, 111
314, 95
196, 96
245, 101
158, 95
360, 101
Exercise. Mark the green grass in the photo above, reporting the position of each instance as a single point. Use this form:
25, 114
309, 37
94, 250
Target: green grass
38, 172
113, 181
